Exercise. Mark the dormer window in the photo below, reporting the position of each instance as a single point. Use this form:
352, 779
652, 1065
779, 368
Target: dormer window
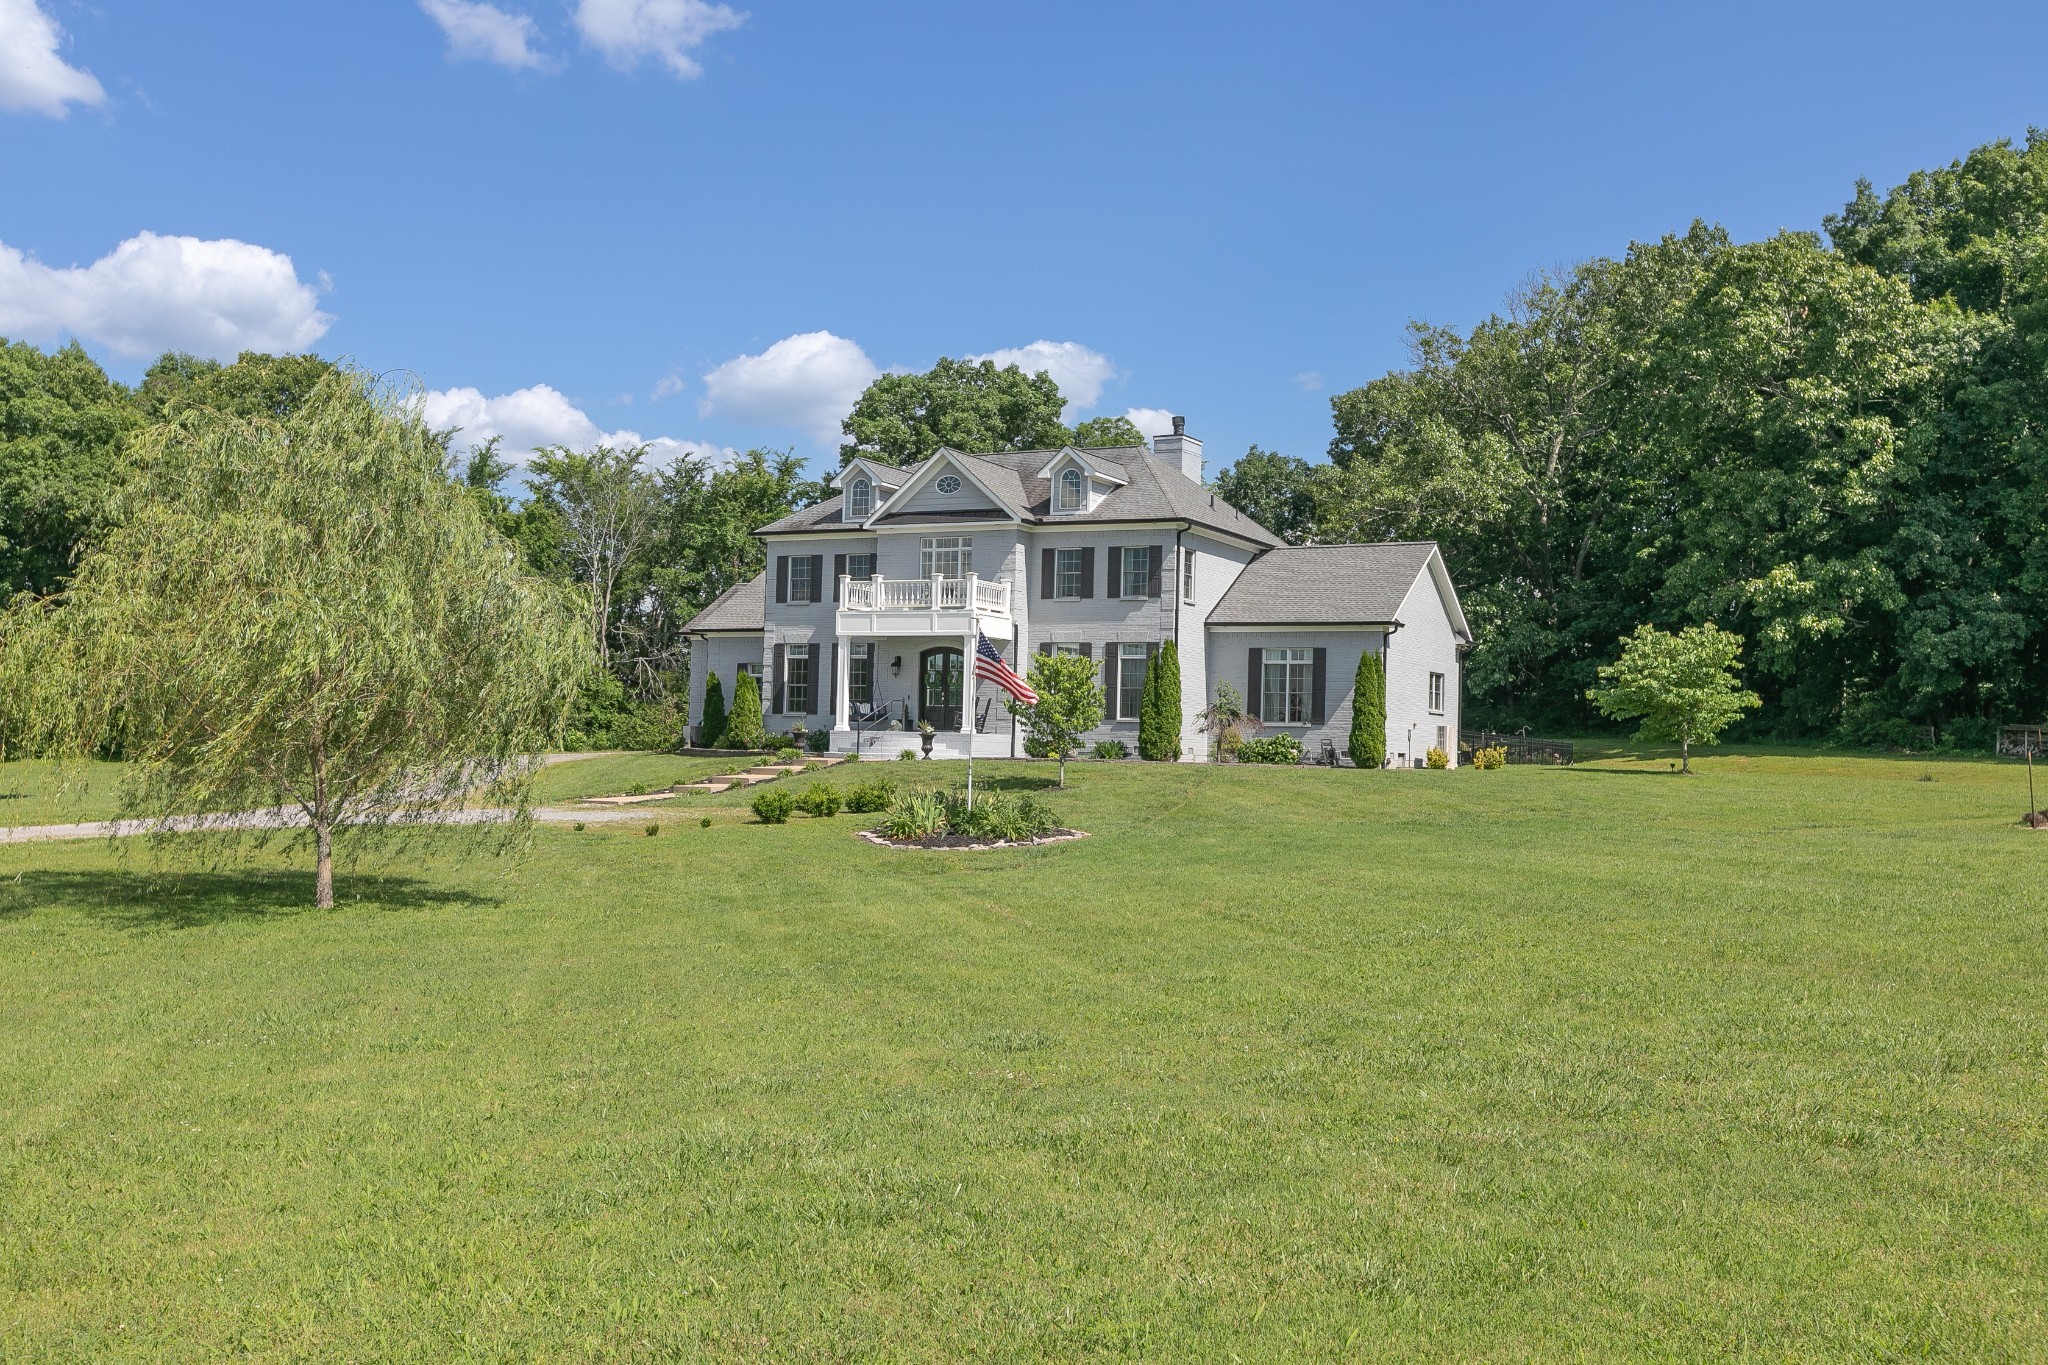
860, 500
1071, 497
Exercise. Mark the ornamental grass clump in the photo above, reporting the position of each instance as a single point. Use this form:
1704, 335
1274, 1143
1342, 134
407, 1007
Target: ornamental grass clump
915, 815
999, 817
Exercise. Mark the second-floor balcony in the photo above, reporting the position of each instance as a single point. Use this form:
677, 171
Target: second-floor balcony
943, 603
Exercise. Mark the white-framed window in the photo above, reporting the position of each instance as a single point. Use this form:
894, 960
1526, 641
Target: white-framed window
860, 678
860, 499
1072, 493
1130, 681
1285, 687
801, 588
860, 566
1436, 694
1066, 573
1134, 577
1187, 575
796, 681
948, 484
947, 556
1066, 647
755, 672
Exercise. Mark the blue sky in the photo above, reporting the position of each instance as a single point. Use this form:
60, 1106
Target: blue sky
711, 225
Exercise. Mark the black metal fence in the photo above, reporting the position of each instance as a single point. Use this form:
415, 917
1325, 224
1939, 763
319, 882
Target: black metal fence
1521, 747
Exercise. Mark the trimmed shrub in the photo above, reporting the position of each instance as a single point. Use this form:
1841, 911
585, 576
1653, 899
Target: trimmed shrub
1368, 743
711, 730
871, 798
773, 807
1280, 748
704, 823
743, 729
787, 754
916, 815
1112, 748
1437, 758
821, 799
1159, 708
1488, 759
819, 741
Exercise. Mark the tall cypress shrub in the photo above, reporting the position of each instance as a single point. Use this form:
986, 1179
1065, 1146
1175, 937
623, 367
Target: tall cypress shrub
743, 729
711, 730
1369, 713
1159, 707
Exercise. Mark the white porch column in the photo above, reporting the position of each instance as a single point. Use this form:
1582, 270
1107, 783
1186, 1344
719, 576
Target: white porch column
967, 688
841, 671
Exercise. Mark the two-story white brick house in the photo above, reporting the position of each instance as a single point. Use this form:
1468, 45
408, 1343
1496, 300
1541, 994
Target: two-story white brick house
866, 619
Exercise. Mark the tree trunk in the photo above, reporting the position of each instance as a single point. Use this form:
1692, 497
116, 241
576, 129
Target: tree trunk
1684, 754
323, 876
1063, 770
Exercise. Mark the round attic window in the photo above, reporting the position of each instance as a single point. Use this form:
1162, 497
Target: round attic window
948, 483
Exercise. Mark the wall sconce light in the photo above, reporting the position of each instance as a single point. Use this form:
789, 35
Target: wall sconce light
896, 666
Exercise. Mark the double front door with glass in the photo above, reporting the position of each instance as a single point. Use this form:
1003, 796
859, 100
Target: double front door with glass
941, 687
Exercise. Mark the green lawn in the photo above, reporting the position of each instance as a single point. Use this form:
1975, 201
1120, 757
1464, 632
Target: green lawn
36, 792
616, 774
1593, 1063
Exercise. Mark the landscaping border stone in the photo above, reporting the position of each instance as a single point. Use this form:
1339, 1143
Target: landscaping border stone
953, 843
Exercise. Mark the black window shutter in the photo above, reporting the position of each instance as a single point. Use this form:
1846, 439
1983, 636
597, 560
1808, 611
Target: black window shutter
1254, 694
811, 691
782, 578
1109, 663
817, 577
1158, 561
1319, 682
777, 680
1045, 647
1088, 572
1045, 562
1087, 650
832, 681
1116, 572
838, 572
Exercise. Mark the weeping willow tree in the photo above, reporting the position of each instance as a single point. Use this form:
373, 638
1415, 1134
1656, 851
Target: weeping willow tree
299, 612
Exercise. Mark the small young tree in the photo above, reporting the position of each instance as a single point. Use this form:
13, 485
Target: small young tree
711, 730
1069, 705
299, 610
1159, 709
743, 728
1226, 722
1369, 712
1683, 687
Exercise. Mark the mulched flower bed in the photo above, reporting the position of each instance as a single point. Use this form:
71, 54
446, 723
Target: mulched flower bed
965, 844
2037, 820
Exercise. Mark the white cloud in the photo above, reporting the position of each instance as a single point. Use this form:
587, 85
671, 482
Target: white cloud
542, 415
808, 382
483, 32
668, 386
1078, 371
1308, 381
627, 31
1151, 421
33, 78
151, 294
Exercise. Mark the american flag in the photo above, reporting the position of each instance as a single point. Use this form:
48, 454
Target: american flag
989, 667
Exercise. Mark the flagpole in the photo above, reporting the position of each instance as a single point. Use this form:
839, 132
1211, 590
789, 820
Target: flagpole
972, 697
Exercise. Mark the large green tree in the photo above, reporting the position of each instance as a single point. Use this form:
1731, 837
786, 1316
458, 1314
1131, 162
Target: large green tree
610, 510
1280, 492
1683, 686
298, 609
1108, 431
966, 405
62, 424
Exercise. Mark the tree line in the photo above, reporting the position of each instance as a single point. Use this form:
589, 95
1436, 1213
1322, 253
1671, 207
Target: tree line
1831, 445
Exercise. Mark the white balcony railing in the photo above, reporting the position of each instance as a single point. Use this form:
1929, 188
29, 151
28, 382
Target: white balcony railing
925, 594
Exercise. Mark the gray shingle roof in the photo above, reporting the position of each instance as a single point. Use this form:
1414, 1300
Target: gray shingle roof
1317, 585
740, 607
1154, 491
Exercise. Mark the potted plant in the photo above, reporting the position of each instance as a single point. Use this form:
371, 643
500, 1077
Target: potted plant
797, 733
924, 736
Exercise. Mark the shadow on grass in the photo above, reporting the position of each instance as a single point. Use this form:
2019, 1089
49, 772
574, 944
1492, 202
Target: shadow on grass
1626, 772
190, 900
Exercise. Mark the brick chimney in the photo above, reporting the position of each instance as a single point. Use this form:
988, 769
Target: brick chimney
1180, 450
